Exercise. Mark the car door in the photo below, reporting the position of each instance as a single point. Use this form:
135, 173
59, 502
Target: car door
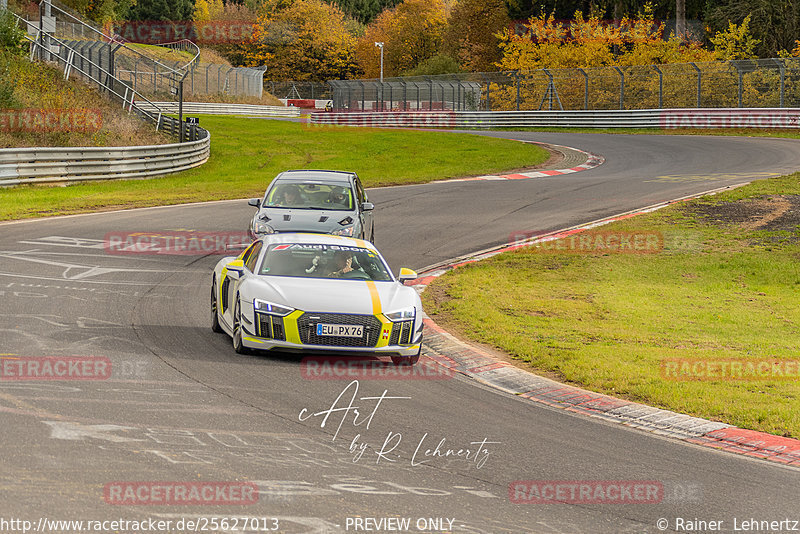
365, 216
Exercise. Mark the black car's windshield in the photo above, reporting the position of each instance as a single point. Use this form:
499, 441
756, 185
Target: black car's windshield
310, 260
310, 196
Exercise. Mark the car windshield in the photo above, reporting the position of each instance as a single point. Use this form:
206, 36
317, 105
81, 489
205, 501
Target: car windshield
310, 260
310, 196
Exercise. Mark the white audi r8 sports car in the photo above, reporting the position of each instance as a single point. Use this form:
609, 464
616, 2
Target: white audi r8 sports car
316, 293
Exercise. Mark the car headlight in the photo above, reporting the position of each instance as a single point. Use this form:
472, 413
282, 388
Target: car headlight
347, 232
260, 227
402, 315
273, 309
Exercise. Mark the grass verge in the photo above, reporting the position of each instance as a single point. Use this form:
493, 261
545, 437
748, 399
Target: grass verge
246, 154
724, 286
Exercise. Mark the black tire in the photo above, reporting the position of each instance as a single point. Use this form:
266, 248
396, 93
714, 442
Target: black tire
407, 360
215, 326
236, 338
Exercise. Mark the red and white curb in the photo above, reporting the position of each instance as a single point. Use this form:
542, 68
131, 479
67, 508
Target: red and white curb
592, 161
450, 352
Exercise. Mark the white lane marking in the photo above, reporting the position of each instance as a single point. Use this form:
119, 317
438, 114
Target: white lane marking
76, 431
87, 270
59, 241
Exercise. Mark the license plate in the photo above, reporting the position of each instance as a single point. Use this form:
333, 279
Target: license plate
340, 330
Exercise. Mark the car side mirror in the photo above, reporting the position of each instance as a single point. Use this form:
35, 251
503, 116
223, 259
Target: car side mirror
406, 274
367, 206
235, 269
255, 202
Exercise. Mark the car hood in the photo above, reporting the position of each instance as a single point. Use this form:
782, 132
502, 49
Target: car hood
299, 220
333, 296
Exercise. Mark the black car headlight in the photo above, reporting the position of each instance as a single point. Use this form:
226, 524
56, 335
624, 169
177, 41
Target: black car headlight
271, 308
406, 314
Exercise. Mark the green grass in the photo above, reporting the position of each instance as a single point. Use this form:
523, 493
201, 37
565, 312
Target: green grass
246, 154
607, 321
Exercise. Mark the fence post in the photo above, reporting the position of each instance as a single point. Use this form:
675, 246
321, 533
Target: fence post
585, 89
516, 75
782, 70
488, 91
621, 88
699, 82
740, 74
660, 86
180, 111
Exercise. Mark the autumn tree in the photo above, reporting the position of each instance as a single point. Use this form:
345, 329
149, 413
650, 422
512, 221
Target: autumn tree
364, 11
593, 43
471, 37
206, 10
172, 10
411, 32
775, 24
302, 40
735, 42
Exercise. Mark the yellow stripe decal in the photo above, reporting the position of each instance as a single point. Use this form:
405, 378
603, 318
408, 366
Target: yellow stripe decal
376, 298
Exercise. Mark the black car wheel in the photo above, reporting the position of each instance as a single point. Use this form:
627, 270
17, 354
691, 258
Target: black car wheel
238, 345
215, 326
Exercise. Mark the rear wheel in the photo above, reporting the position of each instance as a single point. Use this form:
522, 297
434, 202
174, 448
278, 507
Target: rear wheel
238, 344
215, 327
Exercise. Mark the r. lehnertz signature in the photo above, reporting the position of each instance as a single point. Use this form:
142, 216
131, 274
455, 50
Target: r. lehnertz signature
476, 452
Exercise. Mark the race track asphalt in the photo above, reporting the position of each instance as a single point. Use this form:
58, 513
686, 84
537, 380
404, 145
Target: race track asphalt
182, 406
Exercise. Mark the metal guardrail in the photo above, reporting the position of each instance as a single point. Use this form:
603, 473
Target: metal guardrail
64, 165
779, 118
214, 108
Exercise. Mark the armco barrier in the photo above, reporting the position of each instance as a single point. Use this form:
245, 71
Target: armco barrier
59, 164
643, 118
214, 108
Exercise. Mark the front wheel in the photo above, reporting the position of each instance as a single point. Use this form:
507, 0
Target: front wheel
215, 327
238, 344
407, 360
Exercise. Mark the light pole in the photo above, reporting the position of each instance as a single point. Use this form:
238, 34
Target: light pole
380, 45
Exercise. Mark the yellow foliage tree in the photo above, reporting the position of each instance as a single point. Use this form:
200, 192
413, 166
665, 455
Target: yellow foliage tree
207, 10
411, 32
301, 40
736, 42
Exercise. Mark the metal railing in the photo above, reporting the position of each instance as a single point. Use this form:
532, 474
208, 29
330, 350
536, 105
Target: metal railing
97, 68
772, 118
65, 165
62, 164
717, 84
213, 108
